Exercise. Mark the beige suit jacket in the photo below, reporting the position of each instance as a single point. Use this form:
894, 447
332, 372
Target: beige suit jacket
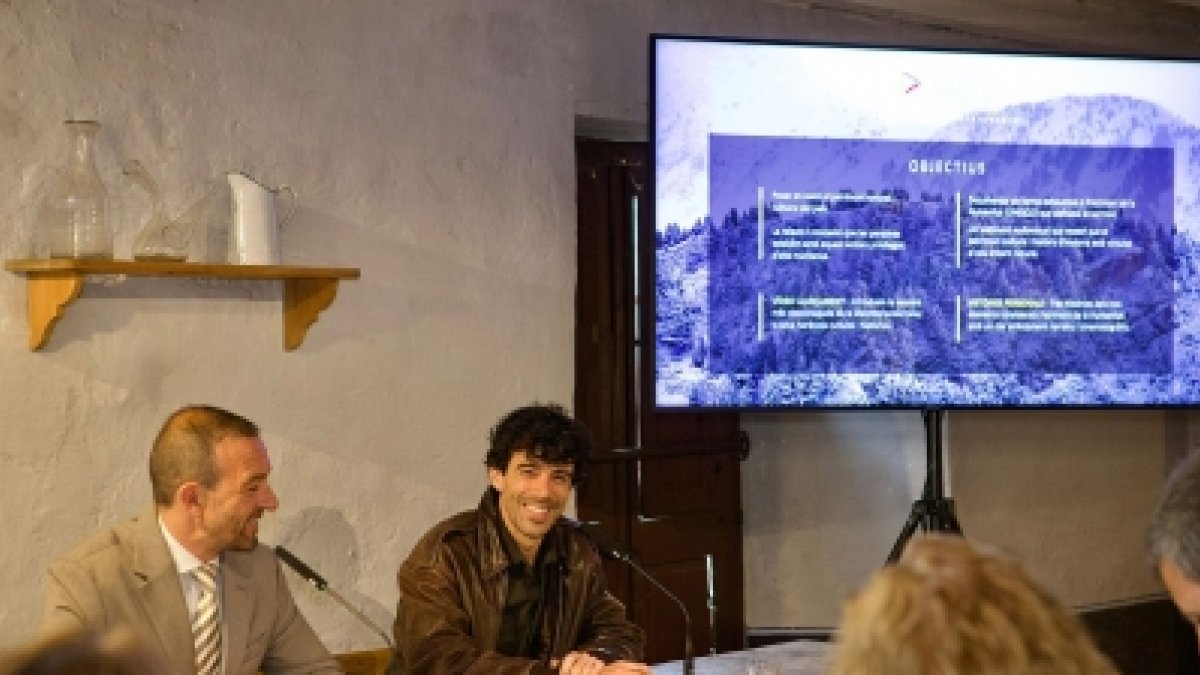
125, 575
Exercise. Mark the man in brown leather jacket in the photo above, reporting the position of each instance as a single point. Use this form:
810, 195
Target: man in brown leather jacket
513, 587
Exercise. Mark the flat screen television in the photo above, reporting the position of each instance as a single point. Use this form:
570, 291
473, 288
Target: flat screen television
843, 226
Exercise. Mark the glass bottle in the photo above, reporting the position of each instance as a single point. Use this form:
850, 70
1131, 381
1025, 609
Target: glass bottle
74, 217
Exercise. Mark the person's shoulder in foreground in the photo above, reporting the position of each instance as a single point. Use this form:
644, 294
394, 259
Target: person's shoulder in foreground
1175, 538
82, 652
948, 607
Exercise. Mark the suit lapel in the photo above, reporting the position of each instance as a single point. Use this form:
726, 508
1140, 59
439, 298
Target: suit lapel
163, 606
236, 610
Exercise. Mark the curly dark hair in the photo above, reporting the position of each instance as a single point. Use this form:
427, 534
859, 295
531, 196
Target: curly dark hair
546, 432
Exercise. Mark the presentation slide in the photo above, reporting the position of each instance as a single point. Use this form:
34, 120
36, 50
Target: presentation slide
978, 258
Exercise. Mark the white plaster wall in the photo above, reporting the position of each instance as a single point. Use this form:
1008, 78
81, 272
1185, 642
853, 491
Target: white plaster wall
431, 145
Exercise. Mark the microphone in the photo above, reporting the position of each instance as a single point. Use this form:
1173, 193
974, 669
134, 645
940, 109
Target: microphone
320, 584
609, 550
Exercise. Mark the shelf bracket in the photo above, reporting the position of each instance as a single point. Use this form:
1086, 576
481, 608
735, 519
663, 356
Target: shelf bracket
48, 297
303, 302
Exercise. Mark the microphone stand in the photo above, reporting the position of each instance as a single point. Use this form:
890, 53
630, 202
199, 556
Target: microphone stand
308, 574
710, 574
689, 661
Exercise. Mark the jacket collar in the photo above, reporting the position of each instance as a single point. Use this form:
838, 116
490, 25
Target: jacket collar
237, 606
159, 590
493, 558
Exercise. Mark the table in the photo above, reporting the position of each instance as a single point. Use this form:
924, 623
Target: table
798, 657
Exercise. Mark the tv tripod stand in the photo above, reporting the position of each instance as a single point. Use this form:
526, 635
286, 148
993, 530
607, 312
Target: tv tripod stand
933, 512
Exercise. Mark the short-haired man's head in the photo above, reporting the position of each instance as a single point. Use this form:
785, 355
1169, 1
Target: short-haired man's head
546, 432
949, 608
184, 449
82, 652
1175, 529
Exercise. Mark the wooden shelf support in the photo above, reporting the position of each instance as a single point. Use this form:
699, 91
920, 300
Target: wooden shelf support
54, 284
303, 301
48, 299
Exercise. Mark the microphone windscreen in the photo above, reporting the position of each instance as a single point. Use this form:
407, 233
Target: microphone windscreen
300, 568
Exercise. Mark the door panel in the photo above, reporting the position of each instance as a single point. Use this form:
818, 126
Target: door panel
664, 486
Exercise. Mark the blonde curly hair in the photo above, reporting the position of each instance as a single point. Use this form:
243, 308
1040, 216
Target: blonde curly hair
950, 608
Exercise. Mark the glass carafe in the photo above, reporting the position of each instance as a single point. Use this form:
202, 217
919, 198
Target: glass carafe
73, 221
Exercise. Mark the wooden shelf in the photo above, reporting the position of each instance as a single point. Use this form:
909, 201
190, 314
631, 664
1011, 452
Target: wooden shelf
53, 284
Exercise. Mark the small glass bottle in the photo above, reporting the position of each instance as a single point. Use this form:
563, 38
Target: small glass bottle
73, 221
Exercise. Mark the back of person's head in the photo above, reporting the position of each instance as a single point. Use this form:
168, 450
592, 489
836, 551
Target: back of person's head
1175, 530
183, 449
546, 432
949, 608
82, 652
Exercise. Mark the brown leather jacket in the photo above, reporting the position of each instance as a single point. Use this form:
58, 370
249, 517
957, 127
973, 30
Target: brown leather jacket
452, 591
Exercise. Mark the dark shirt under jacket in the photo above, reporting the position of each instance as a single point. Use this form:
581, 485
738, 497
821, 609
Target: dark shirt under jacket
528, 588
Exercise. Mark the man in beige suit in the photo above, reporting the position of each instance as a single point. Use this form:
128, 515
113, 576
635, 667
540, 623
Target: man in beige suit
155, 573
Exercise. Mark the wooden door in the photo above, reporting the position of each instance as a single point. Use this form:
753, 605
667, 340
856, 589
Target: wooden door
664, 486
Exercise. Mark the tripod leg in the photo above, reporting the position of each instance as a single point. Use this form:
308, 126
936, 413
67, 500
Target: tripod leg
941, 517
915, 517
950, 520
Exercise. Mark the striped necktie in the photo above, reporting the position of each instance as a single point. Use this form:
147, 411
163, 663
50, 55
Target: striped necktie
206, 627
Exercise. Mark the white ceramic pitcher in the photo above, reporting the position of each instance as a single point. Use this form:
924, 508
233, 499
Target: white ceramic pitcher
254, 226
